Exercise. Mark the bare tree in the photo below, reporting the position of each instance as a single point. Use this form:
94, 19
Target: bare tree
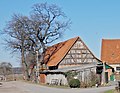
16, 40
49, 22
34, 33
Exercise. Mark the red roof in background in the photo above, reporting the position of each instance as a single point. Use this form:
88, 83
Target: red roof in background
110, 51
57, 52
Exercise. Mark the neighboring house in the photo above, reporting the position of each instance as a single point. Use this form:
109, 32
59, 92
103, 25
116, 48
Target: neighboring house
110, 53
70, 55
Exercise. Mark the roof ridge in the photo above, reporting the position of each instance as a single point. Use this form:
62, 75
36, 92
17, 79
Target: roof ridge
64, 41
110, 39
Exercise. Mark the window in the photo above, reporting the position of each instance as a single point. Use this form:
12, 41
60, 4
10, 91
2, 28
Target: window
118, 68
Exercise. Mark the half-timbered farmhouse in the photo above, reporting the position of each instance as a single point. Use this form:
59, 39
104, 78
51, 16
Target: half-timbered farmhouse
70, 55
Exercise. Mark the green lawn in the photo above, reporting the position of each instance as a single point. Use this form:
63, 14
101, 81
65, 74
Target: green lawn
110, 91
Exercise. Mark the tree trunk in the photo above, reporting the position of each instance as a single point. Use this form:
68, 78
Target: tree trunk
42, 56
25, 66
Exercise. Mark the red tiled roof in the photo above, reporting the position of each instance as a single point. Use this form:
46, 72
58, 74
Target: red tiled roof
110, 51
57, 52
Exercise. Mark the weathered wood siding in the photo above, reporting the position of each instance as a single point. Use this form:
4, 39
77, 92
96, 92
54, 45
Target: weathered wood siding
85, 74
78, 54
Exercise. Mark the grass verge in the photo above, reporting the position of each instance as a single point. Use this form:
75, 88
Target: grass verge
110, 91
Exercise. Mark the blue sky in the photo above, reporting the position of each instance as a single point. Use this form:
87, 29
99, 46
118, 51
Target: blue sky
92, 20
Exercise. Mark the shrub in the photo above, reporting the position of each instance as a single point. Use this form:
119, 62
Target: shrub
83, 85
70, 74
74, 83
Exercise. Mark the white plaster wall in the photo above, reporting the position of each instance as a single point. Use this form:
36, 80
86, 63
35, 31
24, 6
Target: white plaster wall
114, 66
60, 77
